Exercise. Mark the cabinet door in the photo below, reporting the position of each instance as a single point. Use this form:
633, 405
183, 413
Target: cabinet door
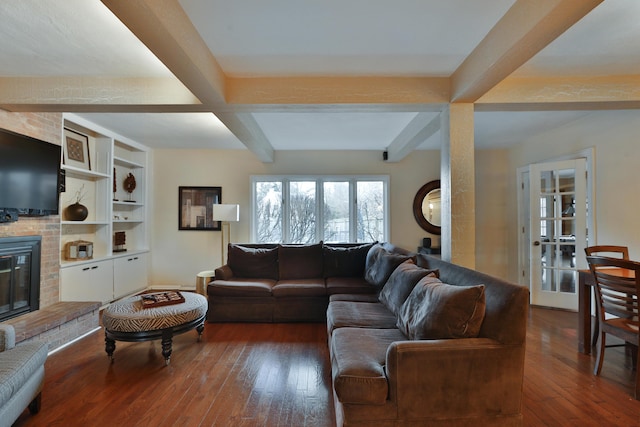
87, 282
130, 274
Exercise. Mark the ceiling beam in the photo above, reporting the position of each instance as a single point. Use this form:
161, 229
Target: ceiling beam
252, 135
96, 93
605, 92
526, 28
415, 133
164, 27
337, 90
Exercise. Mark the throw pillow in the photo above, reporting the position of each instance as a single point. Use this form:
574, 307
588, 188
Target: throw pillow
381, 265
401, 283
436, 310
345, 261
300, 261
256, 263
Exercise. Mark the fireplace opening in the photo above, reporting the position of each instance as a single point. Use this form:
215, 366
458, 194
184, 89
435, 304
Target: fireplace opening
19, 275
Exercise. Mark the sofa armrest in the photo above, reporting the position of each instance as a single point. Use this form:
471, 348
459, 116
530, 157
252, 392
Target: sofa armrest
224, 272
455, 378
7, 337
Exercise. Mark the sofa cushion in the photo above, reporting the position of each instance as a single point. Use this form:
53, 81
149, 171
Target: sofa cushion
373, 298
257, 263
380, 265
341, 314
342, 261
436, 310
401, 283
358, 358
241, 288
348, 285
300, 261
300, 288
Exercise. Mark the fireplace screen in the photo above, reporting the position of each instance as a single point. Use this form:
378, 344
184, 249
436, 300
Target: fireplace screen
19, 275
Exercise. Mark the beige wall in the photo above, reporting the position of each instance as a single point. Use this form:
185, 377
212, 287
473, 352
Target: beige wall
177, 256
614, 138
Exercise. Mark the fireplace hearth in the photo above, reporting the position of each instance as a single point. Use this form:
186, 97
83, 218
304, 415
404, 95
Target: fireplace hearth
19, 275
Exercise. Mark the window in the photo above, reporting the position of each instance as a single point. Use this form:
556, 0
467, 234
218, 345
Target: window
310, 209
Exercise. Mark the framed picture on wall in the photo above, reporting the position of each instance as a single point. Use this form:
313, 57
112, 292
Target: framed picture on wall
75, 149
195, 208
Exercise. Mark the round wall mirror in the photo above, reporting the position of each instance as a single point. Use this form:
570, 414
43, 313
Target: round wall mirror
426, 207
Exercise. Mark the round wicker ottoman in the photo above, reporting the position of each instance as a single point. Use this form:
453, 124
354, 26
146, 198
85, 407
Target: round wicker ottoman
128, 320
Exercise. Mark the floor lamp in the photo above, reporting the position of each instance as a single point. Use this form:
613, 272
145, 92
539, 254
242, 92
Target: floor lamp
225, 214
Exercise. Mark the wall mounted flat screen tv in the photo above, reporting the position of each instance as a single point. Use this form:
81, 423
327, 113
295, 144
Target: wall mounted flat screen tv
29, 174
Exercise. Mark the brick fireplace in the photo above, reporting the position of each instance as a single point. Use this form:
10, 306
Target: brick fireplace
55, 322
47, 127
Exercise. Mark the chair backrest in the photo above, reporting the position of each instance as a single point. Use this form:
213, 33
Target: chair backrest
617, 286
621, 251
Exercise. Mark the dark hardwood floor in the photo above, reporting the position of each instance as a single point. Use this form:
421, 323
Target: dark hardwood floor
279, 375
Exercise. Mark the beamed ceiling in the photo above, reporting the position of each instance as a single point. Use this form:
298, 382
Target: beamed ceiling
319, 74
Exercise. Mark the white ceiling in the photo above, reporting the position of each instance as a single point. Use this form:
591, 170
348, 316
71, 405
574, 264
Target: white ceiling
83, 39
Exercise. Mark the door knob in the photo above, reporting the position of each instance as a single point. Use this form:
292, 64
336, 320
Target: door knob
536, 243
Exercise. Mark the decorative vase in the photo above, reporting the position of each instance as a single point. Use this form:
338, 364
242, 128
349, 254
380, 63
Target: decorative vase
76, 212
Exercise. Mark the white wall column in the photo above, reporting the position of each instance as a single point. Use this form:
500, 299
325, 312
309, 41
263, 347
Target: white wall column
457, 176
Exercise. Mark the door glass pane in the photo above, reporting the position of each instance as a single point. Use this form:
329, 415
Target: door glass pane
547, 206
23, 276
568, 281
336, 212
547, 230
548, 282
370, 211
269, 212
5, 284
567, 180
568, 205
302, 206
547, 182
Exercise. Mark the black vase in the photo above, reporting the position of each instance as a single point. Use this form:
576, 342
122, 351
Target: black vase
76, 212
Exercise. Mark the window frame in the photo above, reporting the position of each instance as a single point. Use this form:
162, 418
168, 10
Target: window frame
319, 180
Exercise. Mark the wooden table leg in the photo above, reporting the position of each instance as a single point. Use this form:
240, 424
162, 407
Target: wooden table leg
584, 311
167, 338
109, 346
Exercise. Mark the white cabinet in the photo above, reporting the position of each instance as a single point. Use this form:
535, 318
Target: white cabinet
87, 282
113, 185
129, 274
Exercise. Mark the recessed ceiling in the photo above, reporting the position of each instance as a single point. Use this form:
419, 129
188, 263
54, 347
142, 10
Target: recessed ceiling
335, 37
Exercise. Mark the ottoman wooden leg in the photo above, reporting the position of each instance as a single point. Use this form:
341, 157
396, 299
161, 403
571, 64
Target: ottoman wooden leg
200, 329
167, 338
109, 346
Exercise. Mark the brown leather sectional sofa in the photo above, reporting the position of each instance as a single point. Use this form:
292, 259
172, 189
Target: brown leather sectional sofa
286, 283
413, 340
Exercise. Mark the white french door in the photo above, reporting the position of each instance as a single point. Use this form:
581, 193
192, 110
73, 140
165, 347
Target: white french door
557, 230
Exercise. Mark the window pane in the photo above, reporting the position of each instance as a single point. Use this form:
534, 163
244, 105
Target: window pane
268, 212
302, 207
370, 213
336, 212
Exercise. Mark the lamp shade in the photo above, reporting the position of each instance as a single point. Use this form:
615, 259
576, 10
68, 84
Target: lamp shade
228, 213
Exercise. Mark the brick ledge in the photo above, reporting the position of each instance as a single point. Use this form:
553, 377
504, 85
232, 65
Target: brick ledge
51, 317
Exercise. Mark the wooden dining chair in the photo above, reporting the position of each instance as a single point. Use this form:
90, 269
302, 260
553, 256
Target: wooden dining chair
601, 250
614, 251
617, 295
